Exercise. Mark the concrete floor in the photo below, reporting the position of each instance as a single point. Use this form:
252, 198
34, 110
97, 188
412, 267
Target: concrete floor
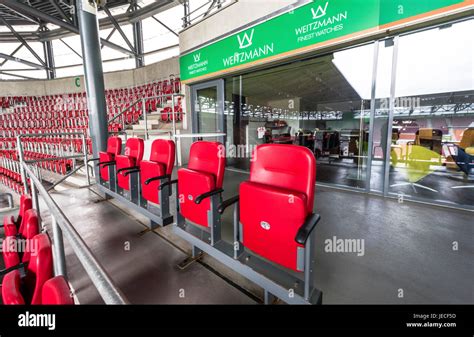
408, 249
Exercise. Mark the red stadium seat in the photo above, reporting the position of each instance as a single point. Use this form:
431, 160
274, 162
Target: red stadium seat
129, 161
284, 193
114, 148
39, 270
11, 226
56, 292
29, 229
159, 167
204, 175
11, 289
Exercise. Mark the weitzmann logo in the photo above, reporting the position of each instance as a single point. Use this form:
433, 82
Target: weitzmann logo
246, 40
37, 320
320, 12
197, 57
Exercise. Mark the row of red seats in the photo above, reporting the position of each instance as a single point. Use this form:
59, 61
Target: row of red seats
57, 123
284, 191
38, 286
10, 175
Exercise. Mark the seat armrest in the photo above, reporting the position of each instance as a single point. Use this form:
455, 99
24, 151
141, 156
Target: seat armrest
131, 172
200, 198
305, 230
147, 182
128, 169
168, 183
106, 163
22, 267
227, 203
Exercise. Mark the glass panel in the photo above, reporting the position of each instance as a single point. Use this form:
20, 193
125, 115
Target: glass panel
206, 109
434, 115
382, 110
322, 104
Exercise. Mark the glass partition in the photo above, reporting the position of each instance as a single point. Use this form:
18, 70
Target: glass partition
434, 115
322, 104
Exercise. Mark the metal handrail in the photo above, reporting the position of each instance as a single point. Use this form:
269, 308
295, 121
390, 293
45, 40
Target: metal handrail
144, 113
124, 111
61, 224
84, 154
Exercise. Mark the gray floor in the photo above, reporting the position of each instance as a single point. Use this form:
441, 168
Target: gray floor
408, 247
408, 251
147, 273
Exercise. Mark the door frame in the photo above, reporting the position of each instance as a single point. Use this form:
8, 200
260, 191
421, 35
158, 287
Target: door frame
219, 84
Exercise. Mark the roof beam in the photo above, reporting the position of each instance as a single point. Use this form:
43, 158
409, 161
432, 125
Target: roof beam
22, 41
11, 54
19, 6
16, 75
60, 11
117, 26
25, 62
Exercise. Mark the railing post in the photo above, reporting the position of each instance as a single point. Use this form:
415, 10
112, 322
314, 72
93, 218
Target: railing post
58, 247
145, 118
173, 118
20, 157
86, 164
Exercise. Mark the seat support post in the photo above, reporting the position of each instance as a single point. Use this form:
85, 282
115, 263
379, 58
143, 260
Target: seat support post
308, 266
112, 179
134, 178
268, 298
214, 219
164, 198
238, 247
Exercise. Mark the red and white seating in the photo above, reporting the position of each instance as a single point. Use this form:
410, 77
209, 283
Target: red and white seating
158, 168
284, 193
28, 290
114, 149
202, 179
12, 225
129, 162
56, 292
29, 229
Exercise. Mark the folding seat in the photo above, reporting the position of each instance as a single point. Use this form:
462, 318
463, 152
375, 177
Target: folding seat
12, 225
158, 169
280, 226
106, 159
39, 270
165, 114
11, 289
199, 182
27, 232
56, 291
129, 162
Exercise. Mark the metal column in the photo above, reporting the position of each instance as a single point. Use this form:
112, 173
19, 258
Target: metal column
138, 41
49, 58
186, 19
94, 75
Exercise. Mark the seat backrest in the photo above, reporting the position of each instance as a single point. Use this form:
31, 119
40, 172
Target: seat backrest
208, 157
467, 139
29, 231
11, 289
56, 292
163, 152
114, 146
289, 167
25, 204
30, 227
40, 268
134, 148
